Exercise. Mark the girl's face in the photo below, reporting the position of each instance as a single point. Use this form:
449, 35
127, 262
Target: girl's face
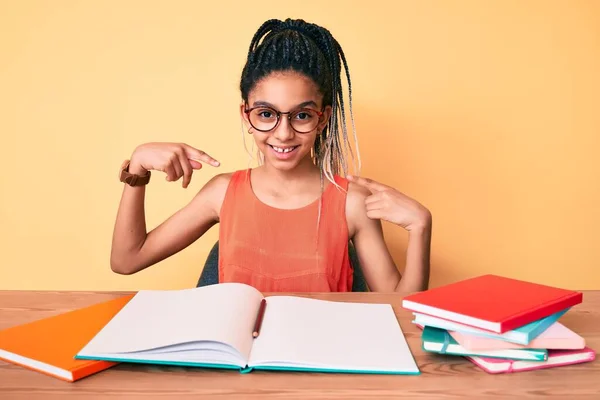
298, 98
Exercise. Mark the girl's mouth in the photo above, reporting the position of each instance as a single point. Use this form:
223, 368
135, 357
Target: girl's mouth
284, 153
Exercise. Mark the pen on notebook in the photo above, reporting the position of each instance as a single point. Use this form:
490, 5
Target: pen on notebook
259, 318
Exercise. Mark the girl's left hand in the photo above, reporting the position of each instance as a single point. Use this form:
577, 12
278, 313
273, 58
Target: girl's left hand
389, 204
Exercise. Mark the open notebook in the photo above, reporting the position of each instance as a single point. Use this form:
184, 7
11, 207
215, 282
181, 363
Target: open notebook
212, 326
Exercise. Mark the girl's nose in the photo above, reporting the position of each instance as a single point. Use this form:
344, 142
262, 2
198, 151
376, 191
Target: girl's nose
284, 131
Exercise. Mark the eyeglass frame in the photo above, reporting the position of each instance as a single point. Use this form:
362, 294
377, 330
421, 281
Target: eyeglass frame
247, 111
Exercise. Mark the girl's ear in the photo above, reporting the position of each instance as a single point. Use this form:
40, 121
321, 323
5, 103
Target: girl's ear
325, 118
243, 114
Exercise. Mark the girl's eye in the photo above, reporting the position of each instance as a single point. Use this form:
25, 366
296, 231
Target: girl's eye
303, 115
265, 114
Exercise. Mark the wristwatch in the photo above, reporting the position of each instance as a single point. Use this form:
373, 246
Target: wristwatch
132, 179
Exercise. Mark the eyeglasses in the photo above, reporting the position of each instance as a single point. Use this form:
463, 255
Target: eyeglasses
265, 119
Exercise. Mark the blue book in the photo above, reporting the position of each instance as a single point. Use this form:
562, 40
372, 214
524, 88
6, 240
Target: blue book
440, 341
522, 335
233, 326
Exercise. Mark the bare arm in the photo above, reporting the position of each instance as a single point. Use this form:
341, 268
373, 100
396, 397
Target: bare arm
364, 222
377, 264
133, 248
416, 271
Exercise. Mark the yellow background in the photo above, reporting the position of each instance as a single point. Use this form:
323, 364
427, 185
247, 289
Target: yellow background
485, 111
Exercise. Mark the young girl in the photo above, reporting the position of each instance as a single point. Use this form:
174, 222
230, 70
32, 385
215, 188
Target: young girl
285, 225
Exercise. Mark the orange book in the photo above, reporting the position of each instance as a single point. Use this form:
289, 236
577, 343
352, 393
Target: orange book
49, 345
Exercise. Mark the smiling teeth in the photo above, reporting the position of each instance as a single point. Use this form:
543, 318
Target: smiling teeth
280, 150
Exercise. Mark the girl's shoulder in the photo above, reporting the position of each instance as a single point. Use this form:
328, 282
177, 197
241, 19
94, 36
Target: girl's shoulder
215, 190
356, 195
356, 211
220, 182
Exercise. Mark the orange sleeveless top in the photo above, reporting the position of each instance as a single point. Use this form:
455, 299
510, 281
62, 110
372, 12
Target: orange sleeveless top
278, 250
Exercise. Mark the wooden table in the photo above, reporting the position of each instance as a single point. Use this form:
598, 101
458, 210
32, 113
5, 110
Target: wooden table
441, 376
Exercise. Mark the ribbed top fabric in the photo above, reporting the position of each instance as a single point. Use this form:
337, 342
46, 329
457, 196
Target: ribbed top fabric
279, 250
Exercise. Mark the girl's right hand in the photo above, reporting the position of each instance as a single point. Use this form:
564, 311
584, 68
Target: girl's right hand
175, 159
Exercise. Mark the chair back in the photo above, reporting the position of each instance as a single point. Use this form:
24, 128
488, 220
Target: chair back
210, 272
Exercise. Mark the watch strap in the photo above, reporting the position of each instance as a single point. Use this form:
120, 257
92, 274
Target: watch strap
132, 179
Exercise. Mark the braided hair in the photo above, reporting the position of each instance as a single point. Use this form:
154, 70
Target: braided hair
309, 49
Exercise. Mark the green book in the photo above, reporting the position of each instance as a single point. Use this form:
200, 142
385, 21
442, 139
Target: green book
437, 340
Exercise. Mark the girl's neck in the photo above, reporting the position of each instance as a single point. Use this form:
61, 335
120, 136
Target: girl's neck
287, 189
305, 170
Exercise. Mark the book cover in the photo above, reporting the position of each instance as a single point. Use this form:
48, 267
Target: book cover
494, 303
522, 335
556, 358
439, 341
49, 345
556, 337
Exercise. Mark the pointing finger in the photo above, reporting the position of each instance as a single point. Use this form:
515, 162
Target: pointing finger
367, 183
199, 155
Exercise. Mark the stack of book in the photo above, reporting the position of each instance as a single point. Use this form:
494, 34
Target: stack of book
500, 324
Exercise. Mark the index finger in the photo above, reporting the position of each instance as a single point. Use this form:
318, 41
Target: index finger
368, 183
199, 155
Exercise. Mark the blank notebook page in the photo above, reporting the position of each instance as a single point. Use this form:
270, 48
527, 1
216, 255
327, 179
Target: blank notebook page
331, 335
154, 319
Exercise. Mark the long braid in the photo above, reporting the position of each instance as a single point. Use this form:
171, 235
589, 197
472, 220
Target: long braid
333, 164
335, 155
343, 57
